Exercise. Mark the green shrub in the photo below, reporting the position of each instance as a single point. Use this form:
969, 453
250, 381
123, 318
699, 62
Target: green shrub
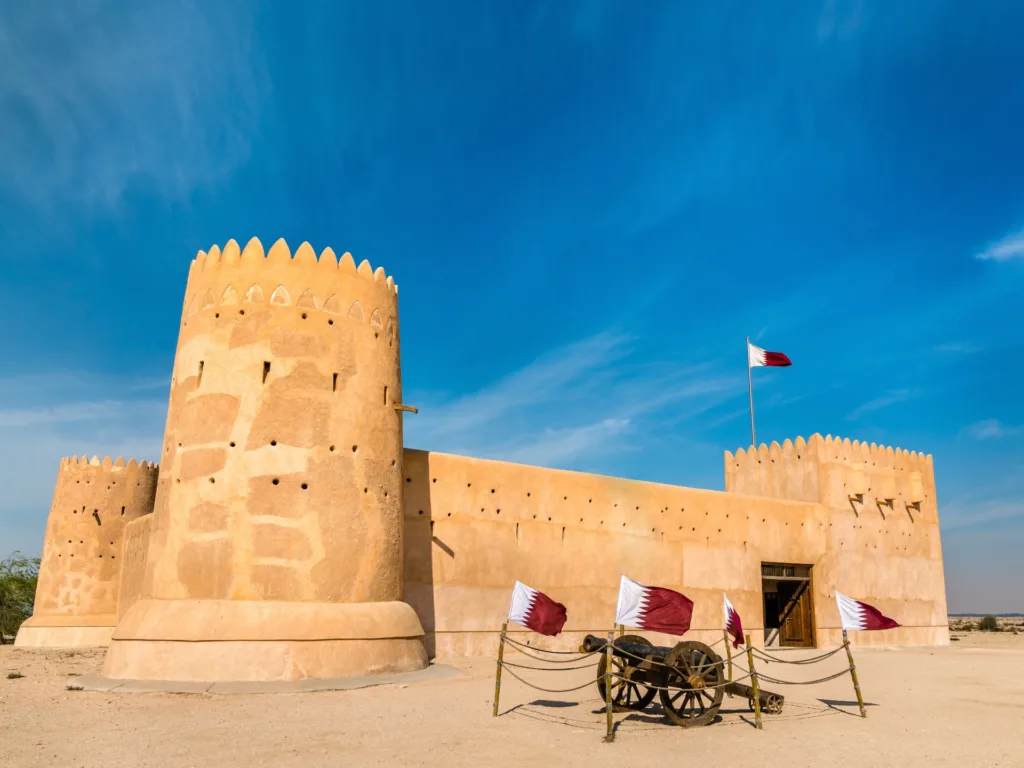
14, 675
18, 577
988, 624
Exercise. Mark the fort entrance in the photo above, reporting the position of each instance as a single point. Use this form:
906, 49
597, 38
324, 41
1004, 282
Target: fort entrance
788, 608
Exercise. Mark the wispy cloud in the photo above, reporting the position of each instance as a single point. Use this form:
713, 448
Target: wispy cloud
891, 398
960, 516
44, 417
1010, 247
99, 96
574, 403
993, 428
957, 348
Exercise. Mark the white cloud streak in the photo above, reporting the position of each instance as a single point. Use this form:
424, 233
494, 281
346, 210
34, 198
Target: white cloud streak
574, 404
45, 417
95, 97
988, 429
891, 398
1010, 247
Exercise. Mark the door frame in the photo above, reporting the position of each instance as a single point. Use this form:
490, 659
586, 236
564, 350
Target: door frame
788, 572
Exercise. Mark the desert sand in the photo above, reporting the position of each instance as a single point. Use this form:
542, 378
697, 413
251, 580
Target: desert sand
959, 705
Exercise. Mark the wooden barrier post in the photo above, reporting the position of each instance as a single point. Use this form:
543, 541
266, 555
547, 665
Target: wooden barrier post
622, 630
754, 686
497, 672
728, 651
609, 680
853, 674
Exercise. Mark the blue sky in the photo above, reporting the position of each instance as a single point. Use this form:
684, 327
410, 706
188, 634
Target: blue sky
587, 205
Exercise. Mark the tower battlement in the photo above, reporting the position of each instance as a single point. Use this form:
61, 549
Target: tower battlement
833, 471
79, 575
280, 503
220, 280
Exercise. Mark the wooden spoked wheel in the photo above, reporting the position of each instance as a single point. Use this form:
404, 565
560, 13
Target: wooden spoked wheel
693, 674
772, 705
627, 695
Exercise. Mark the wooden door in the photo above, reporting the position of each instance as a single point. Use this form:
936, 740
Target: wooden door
797, 615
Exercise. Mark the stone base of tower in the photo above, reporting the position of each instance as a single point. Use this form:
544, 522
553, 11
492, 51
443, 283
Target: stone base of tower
228, 640
66, 632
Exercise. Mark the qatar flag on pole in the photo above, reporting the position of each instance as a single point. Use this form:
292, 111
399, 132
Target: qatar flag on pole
858, 615
654, 608
732, 623
757, 357
535, 610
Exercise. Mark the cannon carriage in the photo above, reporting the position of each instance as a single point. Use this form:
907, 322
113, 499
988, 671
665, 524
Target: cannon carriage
689, 679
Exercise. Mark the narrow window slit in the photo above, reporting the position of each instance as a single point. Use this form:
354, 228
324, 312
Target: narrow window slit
385, 395
334, 382
199, 376
266, 370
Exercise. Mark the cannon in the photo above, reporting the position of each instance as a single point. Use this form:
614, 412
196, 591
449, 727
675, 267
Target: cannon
687, 677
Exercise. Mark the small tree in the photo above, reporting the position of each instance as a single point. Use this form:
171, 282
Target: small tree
988, 624
18, 577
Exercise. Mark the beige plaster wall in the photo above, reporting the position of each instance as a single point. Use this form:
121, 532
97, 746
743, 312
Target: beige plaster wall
133, 565
883, 542
282, 476
281, 458
473, 527
80, 570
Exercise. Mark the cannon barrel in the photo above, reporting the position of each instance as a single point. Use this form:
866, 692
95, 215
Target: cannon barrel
593, 643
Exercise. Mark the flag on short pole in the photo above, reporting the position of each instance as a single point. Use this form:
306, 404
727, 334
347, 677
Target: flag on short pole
535, 610
732, 623
858, 615
757, 357
654, 608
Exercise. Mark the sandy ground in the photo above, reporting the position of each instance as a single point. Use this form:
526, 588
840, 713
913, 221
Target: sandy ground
962, 705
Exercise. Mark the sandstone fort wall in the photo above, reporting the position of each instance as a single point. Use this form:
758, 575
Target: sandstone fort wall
280, 502
473, 527
80, 569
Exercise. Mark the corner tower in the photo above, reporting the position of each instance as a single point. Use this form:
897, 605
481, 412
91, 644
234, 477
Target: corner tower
80, 570
275, 547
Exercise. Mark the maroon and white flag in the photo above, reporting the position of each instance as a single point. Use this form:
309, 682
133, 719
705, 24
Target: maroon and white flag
535, 610
732, 623
654, 608
757, 357
858, 615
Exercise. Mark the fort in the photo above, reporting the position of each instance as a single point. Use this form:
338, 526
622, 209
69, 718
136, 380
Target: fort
289, 534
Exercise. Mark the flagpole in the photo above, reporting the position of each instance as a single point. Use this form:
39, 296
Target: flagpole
750, 391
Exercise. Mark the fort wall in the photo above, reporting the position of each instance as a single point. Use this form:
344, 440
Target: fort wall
133, 565
474, 527
883, 542
94, 501
275, 549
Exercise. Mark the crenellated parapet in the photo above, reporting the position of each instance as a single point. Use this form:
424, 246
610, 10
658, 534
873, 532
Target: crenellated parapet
833, 471
77, 595
223, 281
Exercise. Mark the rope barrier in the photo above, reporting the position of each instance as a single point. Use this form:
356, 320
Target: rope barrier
550, 690
528, 650
773, 659
546, 669
776, 681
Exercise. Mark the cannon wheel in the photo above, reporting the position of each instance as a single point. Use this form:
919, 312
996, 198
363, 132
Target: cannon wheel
772, 706
627, 695
693, 674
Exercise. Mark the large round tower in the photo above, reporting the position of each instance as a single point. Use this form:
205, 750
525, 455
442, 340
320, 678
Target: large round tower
80, 570
276, 543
